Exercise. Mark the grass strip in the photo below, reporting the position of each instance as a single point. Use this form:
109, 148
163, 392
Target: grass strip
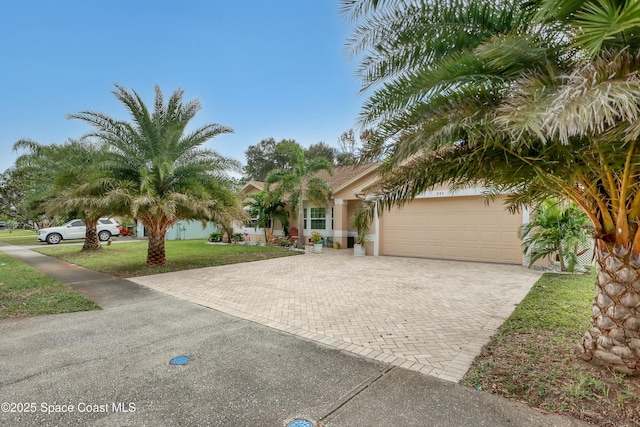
532, 357
25, 291
128, 259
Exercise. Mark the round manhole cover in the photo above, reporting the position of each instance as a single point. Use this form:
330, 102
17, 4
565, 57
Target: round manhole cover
180, 360
300, 423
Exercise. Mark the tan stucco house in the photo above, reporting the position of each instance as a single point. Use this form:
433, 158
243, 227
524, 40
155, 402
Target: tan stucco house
436, 224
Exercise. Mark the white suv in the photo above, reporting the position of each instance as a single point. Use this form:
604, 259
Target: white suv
76, 229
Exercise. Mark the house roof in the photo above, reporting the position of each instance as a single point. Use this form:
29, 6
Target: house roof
258, 185
342, 176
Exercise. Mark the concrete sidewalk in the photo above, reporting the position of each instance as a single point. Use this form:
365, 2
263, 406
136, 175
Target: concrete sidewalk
111, 367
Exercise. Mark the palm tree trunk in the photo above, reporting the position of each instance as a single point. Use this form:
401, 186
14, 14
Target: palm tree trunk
614, 337
91, 241
156, 255
301, 224
561, 257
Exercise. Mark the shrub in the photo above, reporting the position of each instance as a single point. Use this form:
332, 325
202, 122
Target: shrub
558, 229
215, 237
315, 237
11, 225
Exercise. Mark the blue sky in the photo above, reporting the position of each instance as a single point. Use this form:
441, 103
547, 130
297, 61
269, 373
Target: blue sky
265, 68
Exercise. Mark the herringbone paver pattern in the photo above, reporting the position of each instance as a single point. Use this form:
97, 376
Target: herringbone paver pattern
426, 315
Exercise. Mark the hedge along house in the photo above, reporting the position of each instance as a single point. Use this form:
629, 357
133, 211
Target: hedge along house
436, 224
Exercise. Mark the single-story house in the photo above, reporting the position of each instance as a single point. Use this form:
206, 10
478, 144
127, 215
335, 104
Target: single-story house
436, 224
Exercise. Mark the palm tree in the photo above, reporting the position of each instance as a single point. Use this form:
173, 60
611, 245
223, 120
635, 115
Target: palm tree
159, 173
265, 209
65, 180
538, 99
298, 181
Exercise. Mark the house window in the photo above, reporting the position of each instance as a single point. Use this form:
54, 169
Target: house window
253, 223
305, 218
332, 227
318, 218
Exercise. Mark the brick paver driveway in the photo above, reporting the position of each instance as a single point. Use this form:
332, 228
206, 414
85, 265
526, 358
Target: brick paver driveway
426, 315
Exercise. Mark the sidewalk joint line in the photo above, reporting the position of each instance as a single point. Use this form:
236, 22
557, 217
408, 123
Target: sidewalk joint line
355, 392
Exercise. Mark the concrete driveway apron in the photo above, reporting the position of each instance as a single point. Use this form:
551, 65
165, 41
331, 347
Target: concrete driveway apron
425, 315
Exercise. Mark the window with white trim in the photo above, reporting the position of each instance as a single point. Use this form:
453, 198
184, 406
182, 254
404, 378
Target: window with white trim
332, 218
318, 218
253, 223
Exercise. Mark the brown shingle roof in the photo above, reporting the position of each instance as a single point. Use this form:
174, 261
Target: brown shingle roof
343, 174
256, 184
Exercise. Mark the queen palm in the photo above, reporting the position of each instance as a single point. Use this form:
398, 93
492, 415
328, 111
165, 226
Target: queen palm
298, 181
537, 99
159, 172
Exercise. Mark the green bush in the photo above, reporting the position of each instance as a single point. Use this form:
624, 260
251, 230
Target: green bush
237, 237
215, 237
11, 225
315, 237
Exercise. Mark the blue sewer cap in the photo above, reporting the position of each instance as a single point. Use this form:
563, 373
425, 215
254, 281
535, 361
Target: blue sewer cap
181, 360
300, 423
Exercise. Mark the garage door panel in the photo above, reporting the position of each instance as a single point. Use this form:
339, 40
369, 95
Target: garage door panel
461, 228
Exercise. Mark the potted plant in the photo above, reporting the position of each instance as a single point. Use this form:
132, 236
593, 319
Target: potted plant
317, 240
360, 222
336, 245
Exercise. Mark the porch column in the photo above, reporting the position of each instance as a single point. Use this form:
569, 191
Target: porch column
340, 222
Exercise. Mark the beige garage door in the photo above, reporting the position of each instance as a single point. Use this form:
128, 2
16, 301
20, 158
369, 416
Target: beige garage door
460, 228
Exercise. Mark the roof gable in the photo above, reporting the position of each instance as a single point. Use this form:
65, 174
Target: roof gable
252, 187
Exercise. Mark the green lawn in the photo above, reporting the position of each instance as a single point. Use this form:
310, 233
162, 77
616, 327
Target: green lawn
27, 292
128, 259
19, 237
532, 358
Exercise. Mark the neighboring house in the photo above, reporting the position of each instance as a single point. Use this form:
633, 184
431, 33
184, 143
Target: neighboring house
436, 224
183, 230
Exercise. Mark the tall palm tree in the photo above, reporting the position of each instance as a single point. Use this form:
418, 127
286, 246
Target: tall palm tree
299, 181
539, 99
65, 180
159, 172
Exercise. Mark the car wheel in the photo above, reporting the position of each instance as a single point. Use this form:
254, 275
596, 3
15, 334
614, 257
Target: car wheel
104, 235
54, 238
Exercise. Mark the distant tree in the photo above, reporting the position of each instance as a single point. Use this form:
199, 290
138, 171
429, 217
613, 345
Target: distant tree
14, 189
321, 149
349, 147
264, 157
347, 143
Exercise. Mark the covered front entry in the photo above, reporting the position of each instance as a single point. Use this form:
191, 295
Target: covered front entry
452, 227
